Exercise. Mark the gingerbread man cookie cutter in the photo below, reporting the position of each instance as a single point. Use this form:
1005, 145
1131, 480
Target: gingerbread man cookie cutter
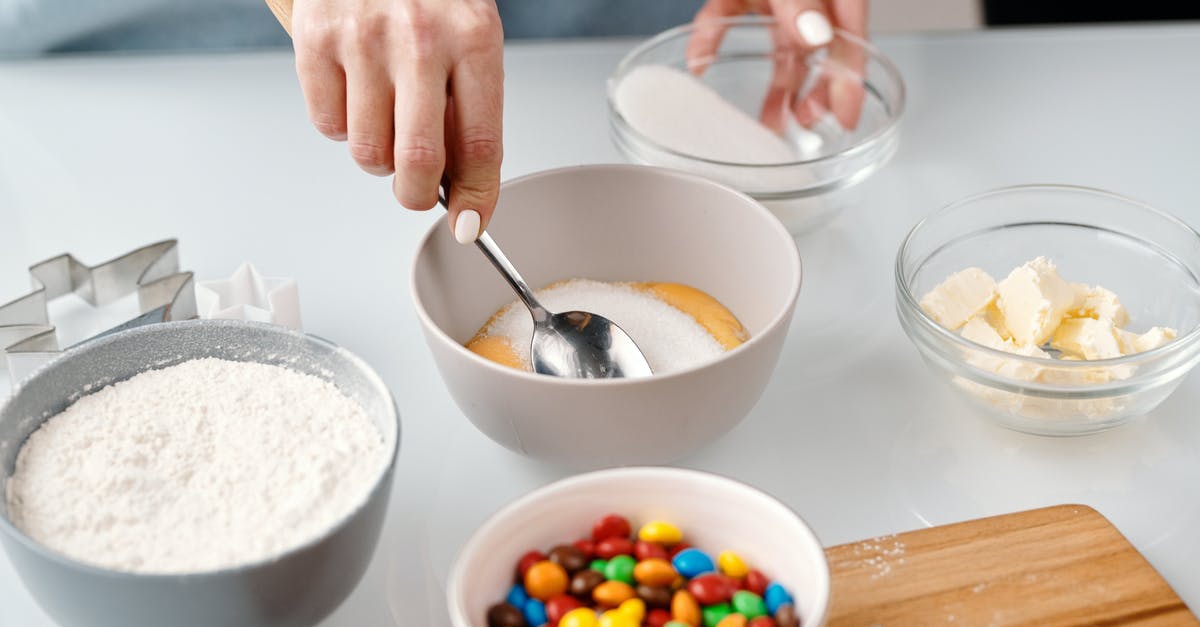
27, 338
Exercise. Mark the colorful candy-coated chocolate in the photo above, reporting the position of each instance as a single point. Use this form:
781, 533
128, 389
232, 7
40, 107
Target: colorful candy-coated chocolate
762, 621
732, 564
673, 551
609, 548
655, 596
692, 562
611, 526
657, 617
643, 550
714, 614
710, 589
584, 581
734, 583
581, 617
535, 613
676, 623
684, 609
749, 604
505, 615
613, 618
612, 593
660, 532
569, 557
517, 596
559, 606
527, 560
733, 620
620, 568
545, 579
775, 596
654, 572
598, 565
587, 545
786, 616
756, 582
635, 608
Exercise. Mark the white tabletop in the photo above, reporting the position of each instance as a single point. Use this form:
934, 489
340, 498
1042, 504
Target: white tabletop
100, 155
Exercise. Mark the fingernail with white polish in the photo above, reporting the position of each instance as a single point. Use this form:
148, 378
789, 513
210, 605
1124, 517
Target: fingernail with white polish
466, 229
814, 28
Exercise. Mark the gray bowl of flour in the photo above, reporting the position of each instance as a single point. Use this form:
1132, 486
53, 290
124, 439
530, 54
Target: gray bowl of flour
201, 582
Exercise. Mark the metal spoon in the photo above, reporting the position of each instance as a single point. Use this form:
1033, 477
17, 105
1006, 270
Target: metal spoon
572, 344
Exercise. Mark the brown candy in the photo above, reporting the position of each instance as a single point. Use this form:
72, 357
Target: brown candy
569, 557
505, 615
655, 596
786, 616
584, 582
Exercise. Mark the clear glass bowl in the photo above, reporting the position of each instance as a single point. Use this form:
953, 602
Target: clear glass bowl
1150, 259
811, 187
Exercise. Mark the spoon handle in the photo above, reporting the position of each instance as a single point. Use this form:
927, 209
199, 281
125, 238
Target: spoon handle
506, 268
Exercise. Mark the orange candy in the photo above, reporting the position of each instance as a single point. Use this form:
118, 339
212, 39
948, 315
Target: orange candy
654, 572
545, 580
613, 593
733, 620
685, 609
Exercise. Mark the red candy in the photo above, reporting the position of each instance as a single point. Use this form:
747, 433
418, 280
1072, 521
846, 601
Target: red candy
659, 617
643, 550
559, 606
527, 560
734, 583
611, 526
587, 546
761, 621
756, 582
612, 547
710, 589
677, 548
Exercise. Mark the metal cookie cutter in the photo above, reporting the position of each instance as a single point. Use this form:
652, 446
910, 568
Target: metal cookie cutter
27, 338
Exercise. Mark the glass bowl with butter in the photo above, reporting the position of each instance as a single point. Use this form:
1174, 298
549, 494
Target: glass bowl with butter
1057, 310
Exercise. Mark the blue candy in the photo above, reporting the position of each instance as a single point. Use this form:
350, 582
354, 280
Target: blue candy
775, 596
693, 562
517, 597
535, 613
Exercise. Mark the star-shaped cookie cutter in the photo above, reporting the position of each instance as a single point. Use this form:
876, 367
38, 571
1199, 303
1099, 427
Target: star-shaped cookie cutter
27, 338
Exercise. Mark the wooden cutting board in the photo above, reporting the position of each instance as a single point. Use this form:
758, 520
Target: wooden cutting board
1063, 565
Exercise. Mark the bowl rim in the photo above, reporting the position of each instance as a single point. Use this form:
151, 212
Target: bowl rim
910, 303
782, 317
131, 334
863, 145
652, 474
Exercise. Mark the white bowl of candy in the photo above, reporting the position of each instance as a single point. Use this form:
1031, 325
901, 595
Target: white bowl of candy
625, 225
600, 548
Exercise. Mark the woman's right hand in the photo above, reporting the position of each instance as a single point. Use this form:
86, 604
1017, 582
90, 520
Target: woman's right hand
416, 87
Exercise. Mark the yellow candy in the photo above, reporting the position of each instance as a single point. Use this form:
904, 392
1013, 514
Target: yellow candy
661, 532
617, 618
635, 608
578, 617
731, 564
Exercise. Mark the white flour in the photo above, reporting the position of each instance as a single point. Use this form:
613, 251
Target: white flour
201, 466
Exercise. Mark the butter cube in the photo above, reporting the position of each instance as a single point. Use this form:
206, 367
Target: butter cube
979, 331
1099, 303
960, 297
1134, 343
1034, 299
1087, 338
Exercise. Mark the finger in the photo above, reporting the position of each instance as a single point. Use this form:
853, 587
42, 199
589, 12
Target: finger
708, 31
807, 21
322, 79
849, 62
420, 155
477, 84
369, 105
788, 71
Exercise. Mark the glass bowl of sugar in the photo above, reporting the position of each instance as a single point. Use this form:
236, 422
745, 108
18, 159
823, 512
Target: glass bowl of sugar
796, 129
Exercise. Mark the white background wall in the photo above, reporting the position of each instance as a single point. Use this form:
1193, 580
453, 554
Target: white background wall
887, 16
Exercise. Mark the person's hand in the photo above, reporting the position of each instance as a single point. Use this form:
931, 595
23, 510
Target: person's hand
417, 89
801, 25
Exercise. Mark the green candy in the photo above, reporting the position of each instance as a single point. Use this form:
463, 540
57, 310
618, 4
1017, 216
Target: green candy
620, 568
714, 613
749, 604
599, 566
